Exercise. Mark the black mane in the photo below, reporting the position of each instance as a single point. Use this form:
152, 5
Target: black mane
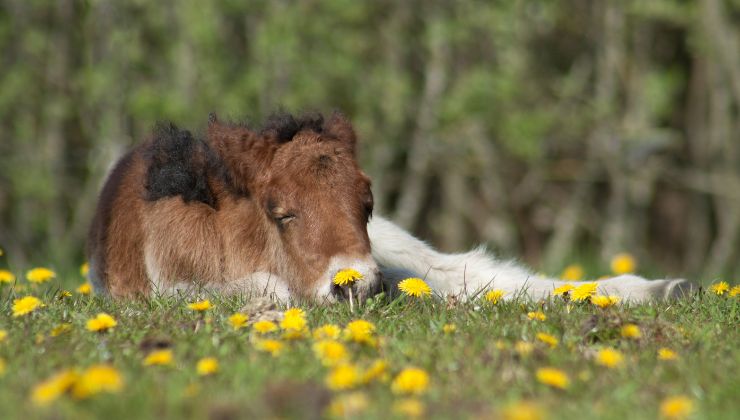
285, 126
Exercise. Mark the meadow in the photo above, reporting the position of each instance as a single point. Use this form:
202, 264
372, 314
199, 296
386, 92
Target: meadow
72, 354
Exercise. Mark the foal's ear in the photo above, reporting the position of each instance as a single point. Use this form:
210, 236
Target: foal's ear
339, 127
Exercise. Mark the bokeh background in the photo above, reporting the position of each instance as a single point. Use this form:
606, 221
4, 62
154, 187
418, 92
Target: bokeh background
555, 132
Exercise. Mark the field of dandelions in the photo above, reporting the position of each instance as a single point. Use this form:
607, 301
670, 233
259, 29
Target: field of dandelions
65, 353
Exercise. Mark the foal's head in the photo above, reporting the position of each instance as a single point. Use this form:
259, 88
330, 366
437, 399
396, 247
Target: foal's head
315, 200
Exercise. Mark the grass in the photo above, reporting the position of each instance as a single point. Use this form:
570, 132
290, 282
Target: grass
476, 372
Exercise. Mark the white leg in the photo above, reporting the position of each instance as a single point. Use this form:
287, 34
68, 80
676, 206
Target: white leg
401, 255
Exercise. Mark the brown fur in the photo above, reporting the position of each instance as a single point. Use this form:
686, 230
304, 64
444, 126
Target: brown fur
262, 177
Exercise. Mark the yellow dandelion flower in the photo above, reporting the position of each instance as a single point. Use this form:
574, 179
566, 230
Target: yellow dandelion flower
293, 321
604, 301
735, 291
6, 277
330, 352
347, 276
548, 339
54, 387
555, 378
666, 354
720, 288
3, 366
85, 269
523, 348
523, 410
623, 263
609, 358
101, 322
274, 347
342, 377
631, 331
61, 329
414, 287
327, 332
26, 305
677, 407
95, 380
377, 371
40, 275
200, 306
583, 292
207, 366
84, 289
449, 328
348, 405
360, 331
573, 272
159, 358
238, 320
3, 335
536, 316
409, 408
563, 290
264, 327
494, 296
411, 381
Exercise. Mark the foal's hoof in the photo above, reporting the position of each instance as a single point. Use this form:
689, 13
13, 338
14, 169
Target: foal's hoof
680, 288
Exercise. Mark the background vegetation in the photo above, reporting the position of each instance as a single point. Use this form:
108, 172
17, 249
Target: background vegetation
543, 129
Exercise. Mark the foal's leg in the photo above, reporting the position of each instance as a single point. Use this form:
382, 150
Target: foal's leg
401, 255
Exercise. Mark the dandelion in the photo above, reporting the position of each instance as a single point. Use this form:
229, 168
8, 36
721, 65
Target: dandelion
101, 322
26, 305
264, 327
414, 287
6, 277
159, 358
347, 276
555, 378
61, 329
604, 302
327, 331
536, 316
64, 294
563, 290
95, 380
200, 306
548, 339
666, 354
348, 405
735, 291
294, 323
411, 381
84, 269
583, 292
623, 263
51, 389
343, 377
409, 407
678, 407
631, 331
720, 288
523, 410
360, 331
378, 370
494, 296
274, 347
449, 328
238, 321
84, 289
40, 275
207, 366
609, 358
3, 366
330, 352
573, 272
523, 348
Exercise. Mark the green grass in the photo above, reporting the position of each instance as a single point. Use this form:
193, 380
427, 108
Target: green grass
475, 372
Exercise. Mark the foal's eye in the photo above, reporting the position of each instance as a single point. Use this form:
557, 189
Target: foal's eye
283, 220
281, 216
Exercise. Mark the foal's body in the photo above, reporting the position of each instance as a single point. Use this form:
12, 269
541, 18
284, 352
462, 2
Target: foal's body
276, 212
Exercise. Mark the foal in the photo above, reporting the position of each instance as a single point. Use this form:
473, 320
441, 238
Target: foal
278, 211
